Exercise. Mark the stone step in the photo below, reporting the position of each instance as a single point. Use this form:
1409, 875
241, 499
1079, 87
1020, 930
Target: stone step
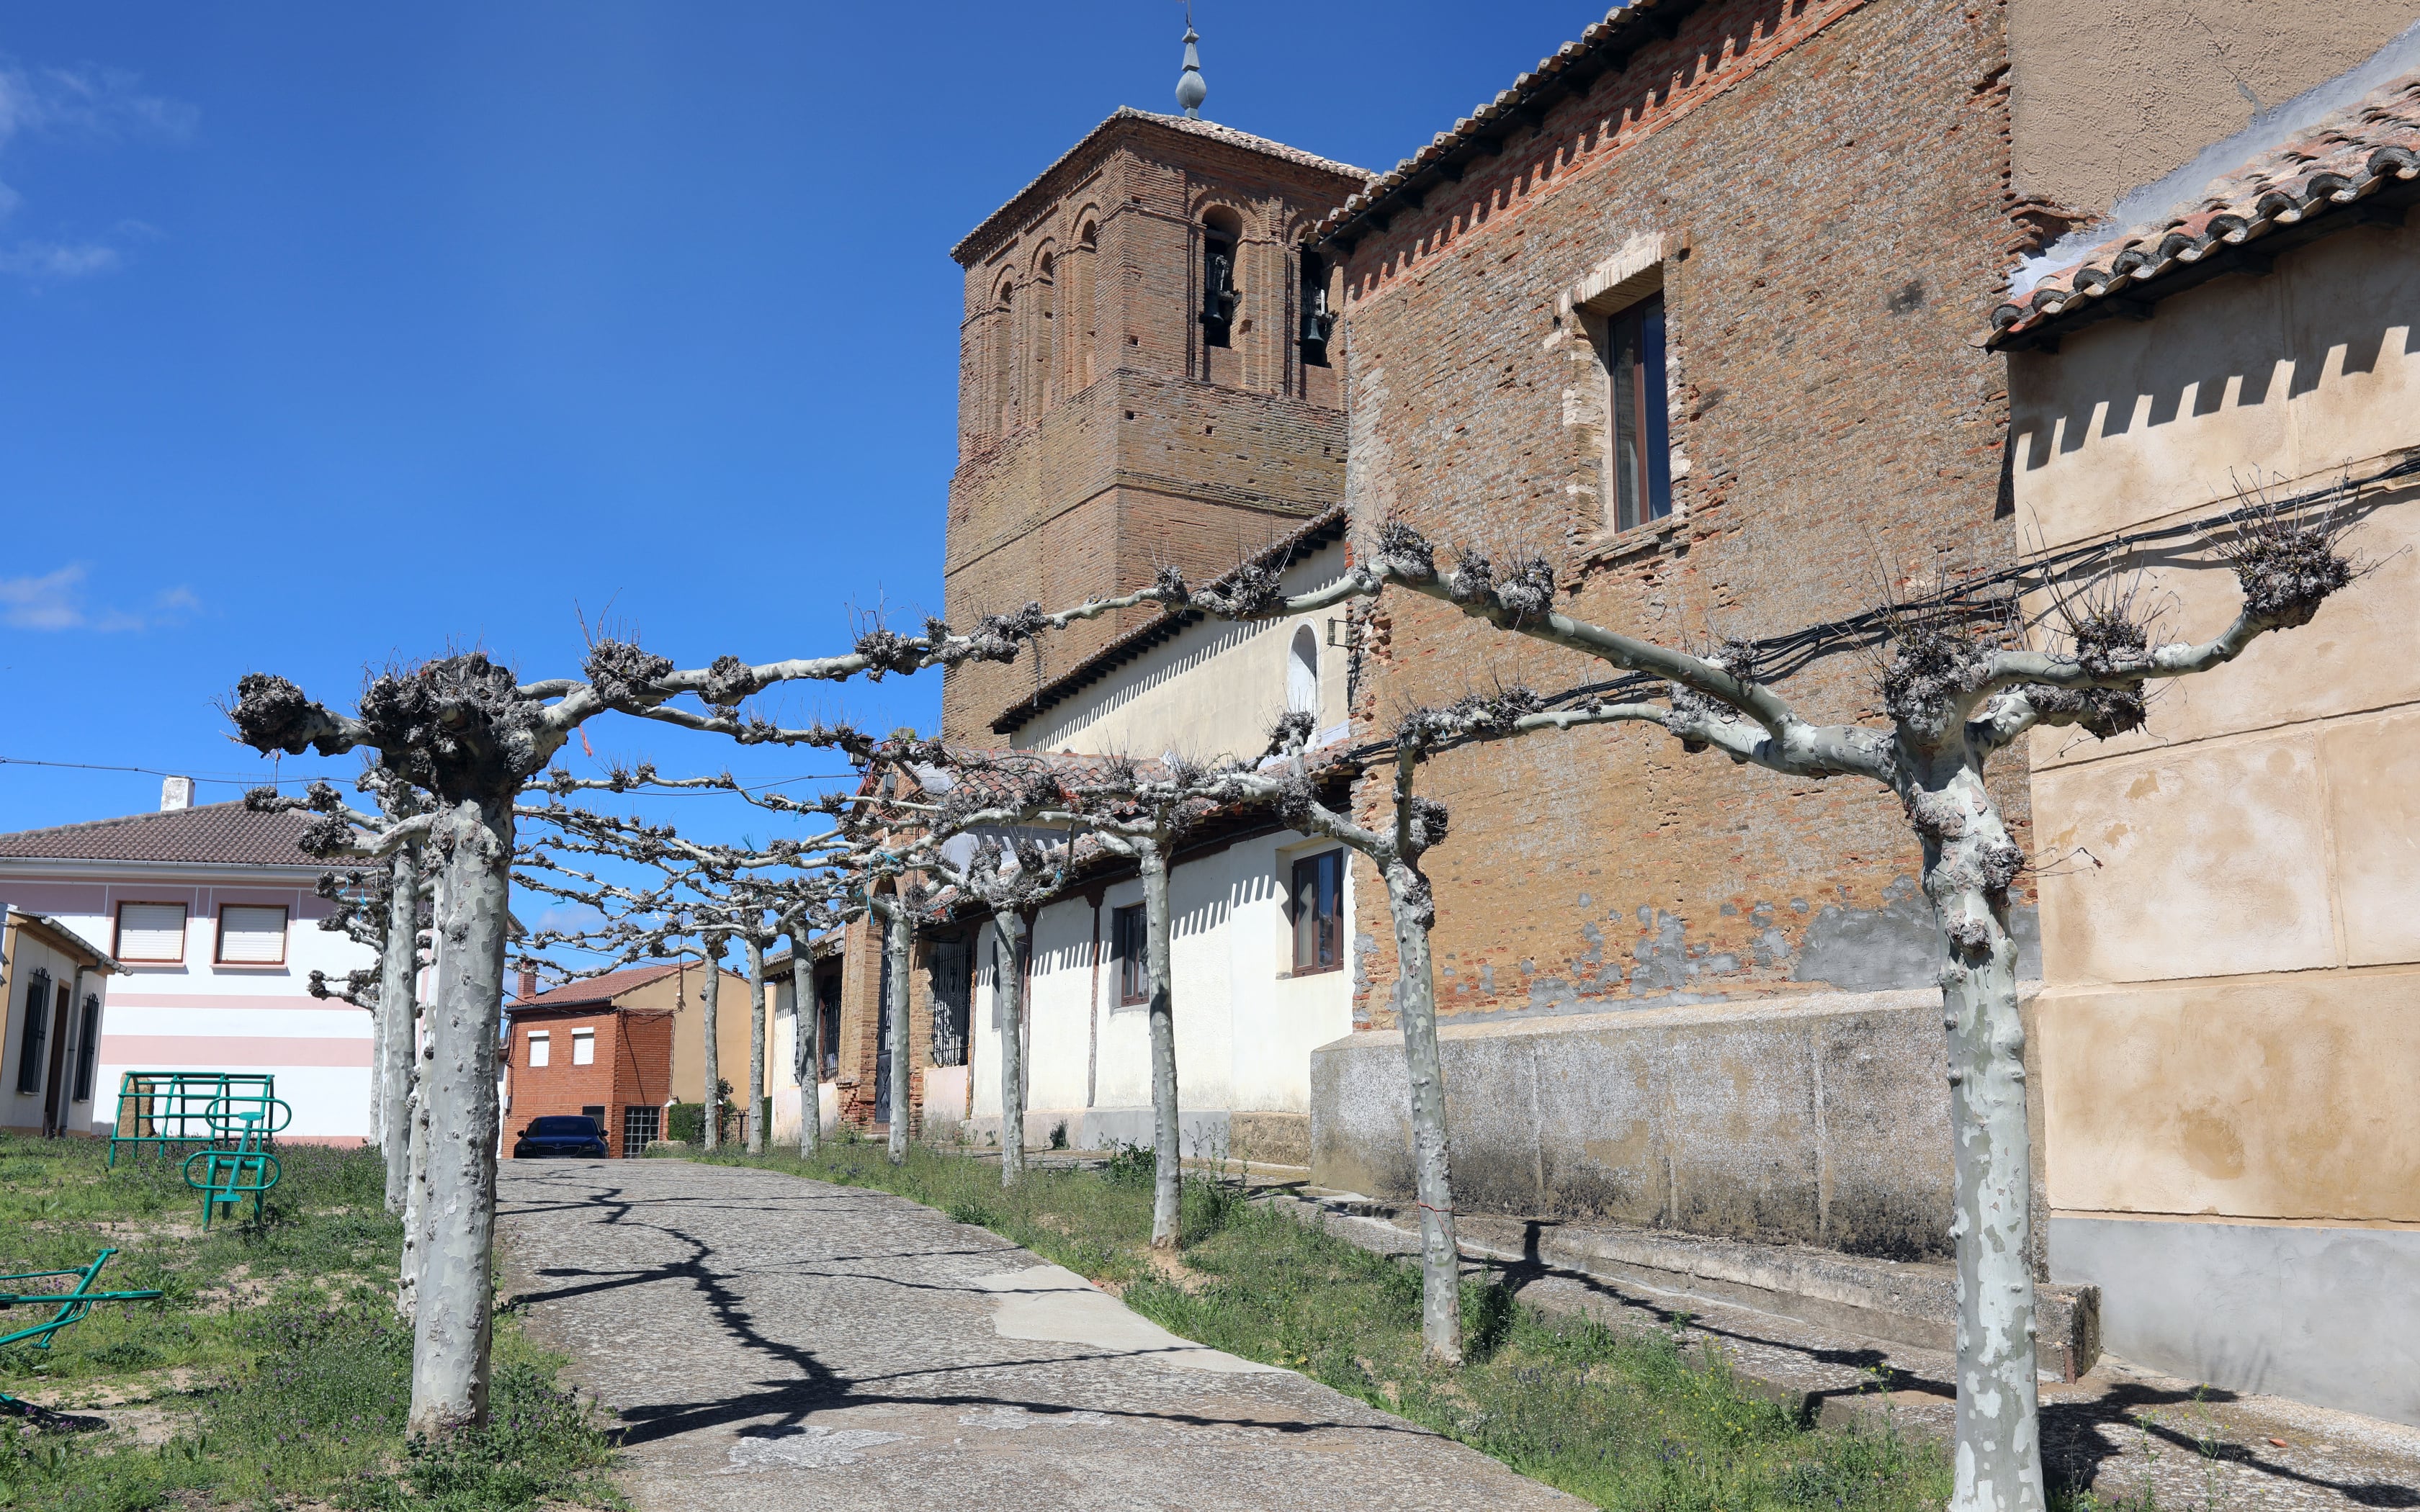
1909, 1303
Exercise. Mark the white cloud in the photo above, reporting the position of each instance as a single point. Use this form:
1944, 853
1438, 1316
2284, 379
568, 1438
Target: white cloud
55, 259
55, 601
45, 603
88, 105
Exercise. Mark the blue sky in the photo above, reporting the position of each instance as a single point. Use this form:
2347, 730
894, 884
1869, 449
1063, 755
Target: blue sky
332, 335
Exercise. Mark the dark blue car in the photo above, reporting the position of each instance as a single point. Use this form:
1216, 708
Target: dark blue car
575, 1134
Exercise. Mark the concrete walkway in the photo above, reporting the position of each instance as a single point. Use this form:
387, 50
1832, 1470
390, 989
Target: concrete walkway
770, 1343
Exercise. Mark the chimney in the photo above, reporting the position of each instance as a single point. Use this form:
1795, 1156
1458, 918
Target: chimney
528, 984
175, 793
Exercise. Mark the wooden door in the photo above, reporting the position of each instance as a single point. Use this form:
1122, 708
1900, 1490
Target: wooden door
55, 1099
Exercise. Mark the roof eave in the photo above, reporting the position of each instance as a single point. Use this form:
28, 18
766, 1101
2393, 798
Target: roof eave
1571, 72
2133, 295
977, 243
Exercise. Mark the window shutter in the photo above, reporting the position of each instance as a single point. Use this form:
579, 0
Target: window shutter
252, 936
151, 932
583, 1047
537, 1048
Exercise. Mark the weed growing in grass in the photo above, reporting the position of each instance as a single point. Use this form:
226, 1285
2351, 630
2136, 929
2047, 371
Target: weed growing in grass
1625, 1420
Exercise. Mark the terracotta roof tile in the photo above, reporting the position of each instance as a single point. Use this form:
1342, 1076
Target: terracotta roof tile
2369, 146
1126, 117
221, 834
603, 989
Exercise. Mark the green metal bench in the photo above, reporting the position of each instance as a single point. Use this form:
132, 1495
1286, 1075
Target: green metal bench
230, 1176
161, 1109
73, 1305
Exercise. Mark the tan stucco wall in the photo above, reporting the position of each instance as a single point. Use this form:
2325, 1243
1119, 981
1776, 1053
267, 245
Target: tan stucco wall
731, 1012
2283, 1098
2230, 899
2106, 95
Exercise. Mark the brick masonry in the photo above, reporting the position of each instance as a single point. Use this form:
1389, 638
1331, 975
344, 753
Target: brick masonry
1828, 179
1100, 437
632, 1067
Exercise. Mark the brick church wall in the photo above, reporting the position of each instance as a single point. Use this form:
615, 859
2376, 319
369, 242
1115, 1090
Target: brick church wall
1100, 437
1835, 172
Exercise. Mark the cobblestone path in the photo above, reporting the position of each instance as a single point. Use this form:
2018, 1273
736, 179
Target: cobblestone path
774, 1344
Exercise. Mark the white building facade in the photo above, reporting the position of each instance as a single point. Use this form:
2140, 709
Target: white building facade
213, 917
1262, 938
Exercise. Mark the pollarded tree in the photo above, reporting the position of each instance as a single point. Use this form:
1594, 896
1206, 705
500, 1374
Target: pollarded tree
1140, 812
1415, 824
383, 912
710, 893
1954, 692
470, 735
1011, 880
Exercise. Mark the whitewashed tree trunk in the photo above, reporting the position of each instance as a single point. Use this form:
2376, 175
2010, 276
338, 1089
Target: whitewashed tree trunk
1999, 1445
898, 938
756, 1122
1167, 1167
472, 842
399, 1020
806, 1049
1407, 899
709, 1003
415, 1204
1008, 991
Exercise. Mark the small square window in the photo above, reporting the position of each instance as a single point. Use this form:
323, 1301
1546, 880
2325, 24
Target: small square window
539, 1047
640, 1126
1130, 945
252, 936
1316, 907
584, 1048
1640, 488
151, 932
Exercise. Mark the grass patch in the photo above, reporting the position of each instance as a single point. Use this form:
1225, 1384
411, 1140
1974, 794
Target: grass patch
1624, 1419
272, 1371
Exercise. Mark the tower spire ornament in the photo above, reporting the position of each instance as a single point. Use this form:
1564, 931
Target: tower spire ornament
1190, 90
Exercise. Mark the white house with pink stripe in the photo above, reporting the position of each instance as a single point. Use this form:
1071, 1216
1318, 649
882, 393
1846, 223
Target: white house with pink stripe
211, 913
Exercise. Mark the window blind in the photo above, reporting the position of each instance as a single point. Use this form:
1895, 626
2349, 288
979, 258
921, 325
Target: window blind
151, 932
252, 936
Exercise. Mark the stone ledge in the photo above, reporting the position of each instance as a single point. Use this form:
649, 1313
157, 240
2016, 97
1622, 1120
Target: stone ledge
1898, 1301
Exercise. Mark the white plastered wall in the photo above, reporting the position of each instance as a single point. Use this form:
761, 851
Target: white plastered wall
1245, 1024
1213, 689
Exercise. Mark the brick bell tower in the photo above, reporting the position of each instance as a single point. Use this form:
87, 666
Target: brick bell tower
1142, 379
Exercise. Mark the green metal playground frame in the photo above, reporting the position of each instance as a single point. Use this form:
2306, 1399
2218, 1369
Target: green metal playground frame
162, 1109
73, 1305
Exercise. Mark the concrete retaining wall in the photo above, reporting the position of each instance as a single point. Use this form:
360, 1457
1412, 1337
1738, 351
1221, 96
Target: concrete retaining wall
2324, 1315
1820, 1119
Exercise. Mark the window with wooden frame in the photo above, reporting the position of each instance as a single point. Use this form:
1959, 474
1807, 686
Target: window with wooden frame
1638, 429
150, 934
1130, 947
252, 935
540, 1045
1316, 903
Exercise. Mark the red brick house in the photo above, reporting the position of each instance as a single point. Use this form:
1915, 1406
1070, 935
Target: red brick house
621, 1048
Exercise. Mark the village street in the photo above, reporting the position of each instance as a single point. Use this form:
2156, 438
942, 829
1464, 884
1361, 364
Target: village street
773, 1343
